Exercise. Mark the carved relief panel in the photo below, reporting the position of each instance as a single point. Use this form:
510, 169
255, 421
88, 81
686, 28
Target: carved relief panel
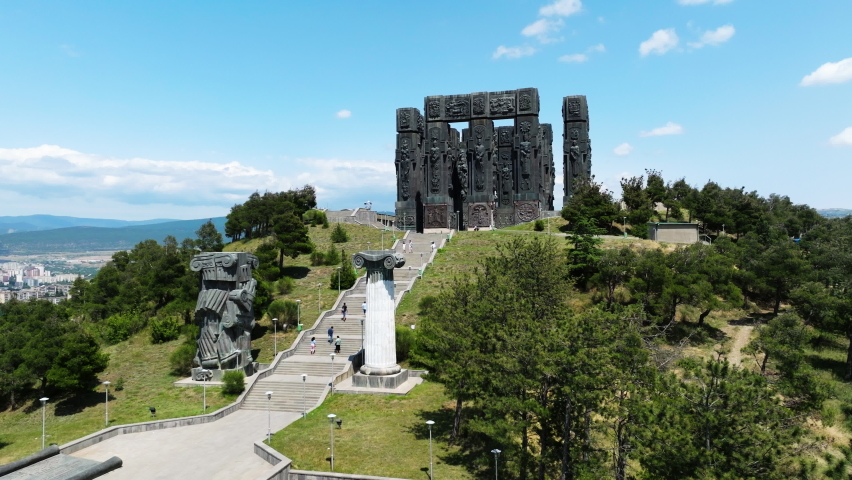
435, 216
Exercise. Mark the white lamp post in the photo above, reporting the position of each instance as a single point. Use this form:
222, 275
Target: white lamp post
331, 382
299, 311
106, 403
362, 332
43, 408
274, 337
205, 372
431, 473
268, 417
338, 280
624, 225
319, 298
304, 397
331, 417
496, 453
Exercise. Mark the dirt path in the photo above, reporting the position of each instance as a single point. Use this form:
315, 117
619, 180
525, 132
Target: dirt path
741, 336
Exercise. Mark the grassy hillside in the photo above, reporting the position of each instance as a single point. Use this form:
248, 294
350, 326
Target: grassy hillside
82, 239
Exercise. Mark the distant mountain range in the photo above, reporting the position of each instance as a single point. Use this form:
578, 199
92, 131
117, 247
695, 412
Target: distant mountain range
97, 238
835, 212
29, 223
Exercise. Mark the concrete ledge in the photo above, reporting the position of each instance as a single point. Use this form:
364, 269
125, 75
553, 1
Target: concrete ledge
359, 380
96, 471
308, 475
27, 461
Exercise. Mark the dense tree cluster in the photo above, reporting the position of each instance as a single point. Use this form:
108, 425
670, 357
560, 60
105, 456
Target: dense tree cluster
648, 197
41, 345
582, 393
258, 216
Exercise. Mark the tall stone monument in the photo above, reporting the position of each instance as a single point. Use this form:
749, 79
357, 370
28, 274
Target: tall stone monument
224, 313
380, 369
484, 175
576, 147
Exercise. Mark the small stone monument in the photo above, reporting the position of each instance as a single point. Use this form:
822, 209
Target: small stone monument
224, 313
380, 369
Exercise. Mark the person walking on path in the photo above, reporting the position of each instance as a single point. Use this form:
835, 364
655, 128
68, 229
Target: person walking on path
411, 246
433, 247
313, 345
364, 307
337, 345
344, 310
330, 334
404, 246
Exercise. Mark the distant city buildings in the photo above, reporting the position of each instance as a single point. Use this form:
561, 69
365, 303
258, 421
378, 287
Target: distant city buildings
26, 282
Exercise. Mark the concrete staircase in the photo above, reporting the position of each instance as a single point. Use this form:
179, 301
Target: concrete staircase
293, 394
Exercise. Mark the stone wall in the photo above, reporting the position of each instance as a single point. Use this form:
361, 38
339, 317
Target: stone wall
673, 232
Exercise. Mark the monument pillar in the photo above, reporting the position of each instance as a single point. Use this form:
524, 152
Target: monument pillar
576, 147
379, 324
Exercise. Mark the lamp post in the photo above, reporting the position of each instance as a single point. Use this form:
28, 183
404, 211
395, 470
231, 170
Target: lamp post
106, 403
362, 333
331, 382
331, 431
624, 225
299, 312
338, 280
383, 238
319, 298
430, 423
274, 338
496, 453
304, 398
204, 372
723, 229
421, 259
268, 417
43, 408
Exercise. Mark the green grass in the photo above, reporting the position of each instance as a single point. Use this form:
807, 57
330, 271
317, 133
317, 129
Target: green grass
381, 435
144, 368
314, 300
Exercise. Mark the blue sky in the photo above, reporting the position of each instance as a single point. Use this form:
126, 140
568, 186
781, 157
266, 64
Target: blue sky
180, 109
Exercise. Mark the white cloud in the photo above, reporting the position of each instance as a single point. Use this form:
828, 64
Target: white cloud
715, 37
843, 138
660, 42
561, 8
343, 114
573, 58
699, 2
70, 50
512, 52
838, 72
623, 149
542, 29
669, 128
597, 48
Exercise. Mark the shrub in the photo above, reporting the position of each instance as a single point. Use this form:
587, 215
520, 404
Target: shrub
119, 384
332, 256
165, 329
121, 326
287, 311
426, 303
317, 259
285, 285
181, 359
538, 226
339, 235
346, 273
233, 382
404, 342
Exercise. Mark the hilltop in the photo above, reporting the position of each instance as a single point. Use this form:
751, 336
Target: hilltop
28, 223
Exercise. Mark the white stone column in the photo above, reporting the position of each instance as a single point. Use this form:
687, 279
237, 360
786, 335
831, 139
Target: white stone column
380, 324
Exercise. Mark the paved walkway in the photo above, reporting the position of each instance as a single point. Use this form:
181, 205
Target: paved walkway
220, 450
